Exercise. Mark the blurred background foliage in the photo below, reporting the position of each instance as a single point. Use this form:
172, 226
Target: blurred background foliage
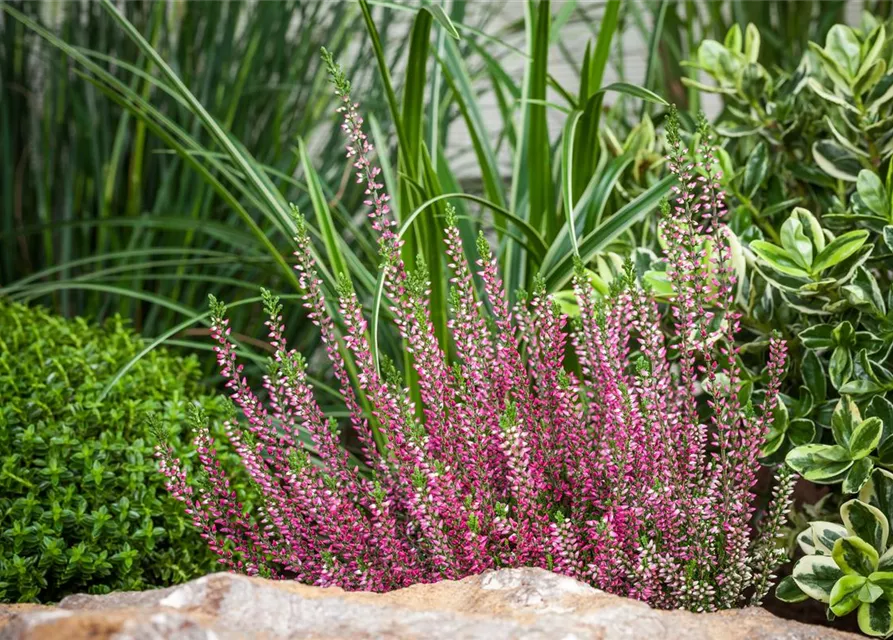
152, 151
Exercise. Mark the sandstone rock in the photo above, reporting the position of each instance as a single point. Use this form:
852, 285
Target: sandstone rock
507, 604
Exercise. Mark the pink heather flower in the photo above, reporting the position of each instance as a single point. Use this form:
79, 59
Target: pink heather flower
635, 475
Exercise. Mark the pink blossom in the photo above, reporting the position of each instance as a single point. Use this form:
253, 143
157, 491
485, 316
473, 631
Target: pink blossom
611, 475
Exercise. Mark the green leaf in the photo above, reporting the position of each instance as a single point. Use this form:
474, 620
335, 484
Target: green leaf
795, 242
820, 463
751, 43
845, 594
870, 592
843, 46
882, 409
867, 343
442, 19
863, 292
814, 376
876, 618
830, 96
861, 387
777, 258
825, 535
788, 591
839, 250
635, 91
884, 580
811, 227
801, 431
659, 282
843, 335
857, 476
885, 563
867, 523
888, 237
866, 438
872, 192
323, 216
807, 544
836, 161
870, 51
869, 82
773, 442
855, 556
840, 369
756, 169
607, 29
537, 162
733, 39
818, 336
816, 576
385, 79
878, 492
558, 265
844, 420
709, 53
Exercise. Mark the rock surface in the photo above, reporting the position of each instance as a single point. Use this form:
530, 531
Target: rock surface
507, 604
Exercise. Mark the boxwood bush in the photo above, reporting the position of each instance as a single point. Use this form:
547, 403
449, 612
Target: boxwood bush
82, 507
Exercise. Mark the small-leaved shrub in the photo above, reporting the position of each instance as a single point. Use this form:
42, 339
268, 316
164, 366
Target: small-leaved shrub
82, 506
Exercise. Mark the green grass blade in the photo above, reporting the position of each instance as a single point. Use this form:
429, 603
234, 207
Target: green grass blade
606, 30
654, 41
239, 158
608, 231
539, 172
331, 239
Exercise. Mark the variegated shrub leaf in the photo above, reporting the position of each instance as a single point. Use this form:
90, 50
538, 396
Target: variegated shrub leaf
816, 576
854, 556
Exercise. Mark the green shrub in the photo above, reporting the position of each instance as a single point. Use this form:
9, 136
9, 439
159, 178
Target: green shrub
808, 167
82, 507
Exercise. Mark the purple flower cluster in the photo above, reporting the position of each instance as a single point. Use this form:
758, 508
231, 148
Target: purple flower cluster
635, 476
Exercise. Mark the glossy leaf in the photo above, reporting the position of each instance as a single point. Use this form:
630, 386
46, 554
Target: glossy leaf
844, 421
866, 438
836, 161
839, 250
787, 590
845, 594
843, 46
823, 535
795, 242
872, 192
857, 476
814, 376
756, 169
884, 580
778, 258
876, 618
840, 369
819, 463
867, 523
818, 336
855, 556
878, 492
816, 576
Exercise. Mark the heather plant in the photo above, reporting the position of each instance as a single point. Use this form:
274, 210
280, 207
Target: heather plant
82, 507
608, 473
849, 566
